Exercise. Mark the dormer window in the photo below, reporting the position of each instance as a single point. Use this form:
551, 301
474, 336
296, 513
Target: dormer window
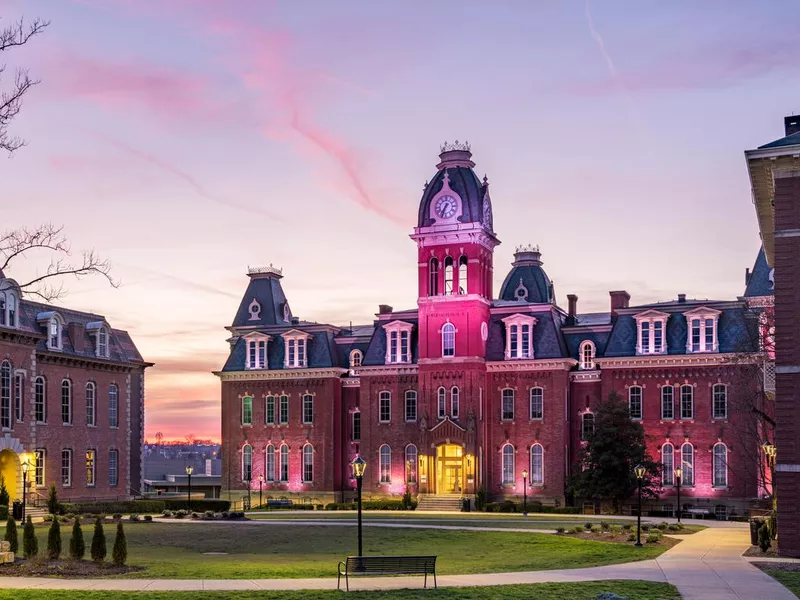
257, 351
355, 358
701, 330
651, 337
102, 342
519, 336
54, 325
8, 309
398, 342
587, 354
296, 355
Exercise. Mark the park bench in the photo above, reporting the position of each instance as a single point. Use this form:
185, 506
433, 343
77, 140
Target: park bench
386, 565
697, 513
281, 503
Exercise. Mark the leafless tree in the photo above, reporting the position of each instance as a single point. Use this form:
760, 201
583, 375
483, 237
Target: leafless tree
17, 34
17, 243
159, 438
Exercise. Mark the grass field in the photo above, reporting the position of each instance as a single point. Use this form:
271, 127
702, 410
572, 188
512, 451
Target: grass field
632, 590
791, 579
277, 551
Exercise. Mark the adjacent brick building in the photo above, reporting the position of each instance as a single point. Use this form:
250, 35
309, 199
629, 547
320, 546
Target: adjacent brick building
469, 389
71, 400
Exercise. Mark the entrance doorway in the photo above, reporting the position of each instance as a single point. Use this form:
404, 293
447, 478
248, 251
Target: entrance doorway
10, 470
449, 469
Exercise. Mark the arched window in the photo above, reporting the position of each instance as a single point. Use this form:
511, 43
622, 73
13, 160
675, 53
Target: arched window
442, 402
247, 462
270, 462
537, 464
5, 394
91, 404
720, 393
411, 464
587, 355
411, 406
54, 333
12, 310
284, 462
687, 402
355, 358
587, 425
720, 465
3, 309
385, 464
462, 274
667, 403
448, 276
668, 465
507, 409
635, 402
508, 465
66, 401
40, 400
448, 339
113, 406
308, 463
537, 403
247, 410
433, 278
687, 464
102, 342
455, 402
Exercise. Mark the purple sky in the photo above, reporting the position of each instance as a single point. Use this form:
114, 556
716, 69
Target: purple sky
186, 140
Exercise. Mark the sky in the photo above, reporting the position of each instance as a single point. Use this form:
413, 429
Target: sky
186, 140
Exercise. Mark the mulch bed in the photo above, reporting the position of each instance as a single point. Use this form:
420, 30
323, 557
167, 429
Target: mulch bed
756, 551
64, 568
777, 566
620, 538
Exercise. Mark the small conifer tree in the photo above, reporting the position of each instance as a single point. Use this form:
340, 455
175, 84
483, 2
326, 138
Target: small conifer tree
77, 547
54, 541
99, 550
764, 541
30, 545
4, 497
52, 501
120, 552
11, 534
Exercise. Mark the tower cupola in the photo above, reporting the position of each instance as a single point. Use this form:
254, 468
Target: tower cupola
527, 281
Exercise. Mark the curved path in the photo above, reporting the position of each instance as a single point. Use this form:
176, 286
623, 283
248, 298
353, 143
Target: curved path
705, 566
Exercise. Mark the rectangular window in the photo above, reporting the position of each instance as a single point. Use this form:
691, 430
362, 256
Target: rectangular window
113, 406
292, 352
393, 347
40, 400
270, 410
39, 454
720, 393
508, 405
695, 335
113, 467
514, 343
251, 358
284, 416
658, 336
270, 463
247, 410
90, 468
5, 395
90, 404
526, 341
301, 353
66, 402
66, 468
308, 409
635, 403
537, 403
404, 346
356, 426
411, 406
385, 408
667, 403
687, 402
19, 396
284, 463
645, 337
709, 335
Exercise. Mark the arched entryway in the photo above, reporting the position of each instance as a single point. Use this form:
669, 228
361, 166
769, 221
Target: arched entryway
11, 473
449, 469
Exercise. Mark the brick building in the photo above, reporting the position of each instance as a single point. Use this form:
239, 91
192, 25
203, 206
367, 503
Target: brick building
71, 401
467, 390
774, 171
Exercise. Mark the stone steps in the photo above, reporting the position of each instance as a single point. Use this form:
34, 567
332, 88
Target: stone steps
442, 503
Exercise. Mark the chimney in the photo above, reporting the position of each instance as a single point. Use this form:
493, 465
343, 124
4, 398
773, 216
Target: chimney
619, 299
681, 298
76, 332
791, 124
747, 276
573, 306
384, 309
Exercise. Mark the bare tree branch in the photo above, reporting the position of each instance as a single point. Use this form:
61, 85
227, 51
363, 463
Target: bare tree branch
16, 34
46, 286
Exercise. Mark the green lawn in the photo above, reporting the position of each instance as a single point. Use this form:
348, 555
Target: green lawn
791, 579
632, 590
278, 551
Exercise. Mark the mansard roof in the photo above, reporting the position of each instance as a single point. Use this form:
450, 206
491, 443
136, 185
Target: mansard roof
265, 290
547, 339
760, 281
321, 351
376, 350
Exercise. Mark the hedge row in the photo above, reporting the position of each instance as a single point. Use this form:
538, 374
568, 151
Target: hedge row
508, 506
215, 504
110, 508
371, 505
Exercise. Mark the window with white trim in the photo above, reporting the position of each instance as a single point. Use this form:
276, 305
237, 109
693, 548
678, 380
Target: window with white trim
433, 278
455, 396
247, 462
5, 394
91, 467
102, 342
448, 339
38, 474
113, 405
91, 404
66, 467
308, 463
19, 396
356, 356
701, 330
651, 334
269, 410
54, 329
687, 402
8, 309
462, 274
687, 464
40, 399
442, 402
247, 410
257, 351
519, 336
508, 465
356, 429
537, 465
720, 465
296, 351
667, 403
66, 402
385, 407
113, 468
448, 275
411, 406
284, 410
719, 395
667, 465
270, 458
537, 403
411, 464
587, 426
385, 464
284, 462
635, 402
507, 408
308, 409
398, 342
587, 354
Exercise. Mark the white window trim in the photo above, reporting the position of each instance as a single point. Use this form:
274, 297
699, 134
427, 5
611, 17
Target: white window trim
702, 313
380, 411
714, 417
303, 453
241, 408
69, 467
714, 483
381, 481
641, 402
585, 365
94, 330
513, 405
405, 405
252, 340
399, 327
531, 482
48, 319
441, 334
518, 320
668, 473
356, 362
530, 403
296, 335
303, 399
455, 401
8, 294
651, 317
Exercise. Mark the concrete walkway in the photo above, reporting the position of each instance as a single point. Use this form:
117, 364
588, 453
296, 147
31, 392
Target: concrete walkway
705, 566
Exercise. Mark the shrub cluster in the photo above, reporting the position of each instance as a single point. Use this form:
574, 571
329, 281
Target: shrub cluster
366, 505
764, 538
110, 508
215, 504
506, 506
11, 534
654, 536
578, 529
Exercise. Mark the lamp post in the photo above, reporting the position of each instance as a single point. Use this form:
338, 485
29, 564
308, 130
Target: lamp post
771, 452
189, 471
359, 466
524, 492
260, 487
639, 470
678, 474
26, 467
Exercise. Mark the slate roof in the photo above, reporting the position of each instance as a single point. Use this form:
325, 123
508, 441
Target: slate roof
758, 281
465, 183
267, 291
376, 351
789, 140
547, 338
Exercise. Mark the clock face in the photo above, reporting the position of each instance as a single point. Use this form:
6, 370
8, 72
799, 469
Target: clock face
446, 207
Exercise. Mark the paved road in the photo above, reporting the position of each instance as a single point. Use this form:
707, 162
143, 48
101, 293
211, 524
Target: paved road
705, 566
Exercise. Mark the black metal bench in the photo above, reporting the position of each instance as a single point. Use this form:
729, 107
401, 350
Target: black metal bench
386, 565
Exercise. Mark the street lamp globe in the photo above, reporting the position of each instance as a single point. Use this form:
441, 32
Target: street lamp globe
524, 473
678, 472
359, 466
189, 470
640, 471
